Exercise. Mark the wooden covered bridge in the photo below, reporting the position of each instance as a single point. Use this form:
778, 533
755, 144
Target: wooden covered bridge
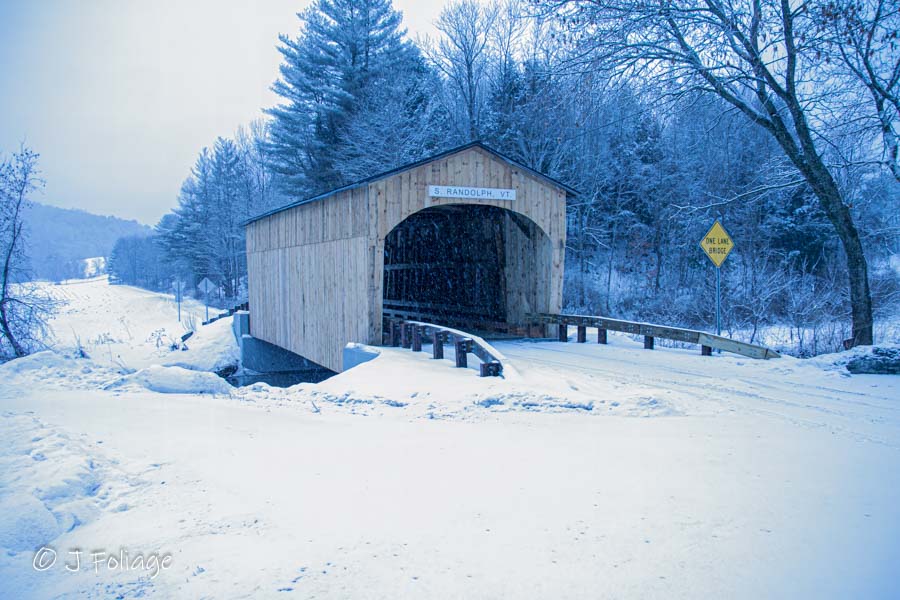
468, 238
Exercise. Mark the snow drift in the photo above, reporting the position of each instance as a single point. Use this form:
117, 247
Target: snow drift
174, 380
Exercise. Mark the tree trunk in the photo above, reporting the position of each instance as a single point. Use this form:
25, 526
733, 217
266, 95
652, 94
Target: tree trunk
802, 153
582, 259
9, 253
609, 268
857, 267
8, 334
829, 196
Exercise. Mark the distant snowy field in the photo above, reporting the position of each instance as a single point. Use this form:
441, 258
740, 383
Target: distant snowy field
587, 472
131, 328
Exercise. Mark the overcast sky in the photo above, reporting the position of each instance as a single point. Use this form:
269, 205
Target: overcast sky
119, 96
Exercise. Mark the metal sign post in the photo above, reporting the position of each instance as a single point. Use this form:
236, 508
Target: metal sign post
718, 300
178, 286
206, 286
717, 245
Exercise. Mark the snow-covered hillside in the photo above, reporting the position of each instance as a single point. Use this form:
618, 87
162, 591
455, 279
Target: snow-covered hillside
132, 328
588, 471
61, 242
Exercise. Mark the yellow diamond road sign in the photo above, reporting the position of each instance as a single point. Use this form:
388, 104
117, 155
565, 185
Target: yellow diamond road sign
717, 244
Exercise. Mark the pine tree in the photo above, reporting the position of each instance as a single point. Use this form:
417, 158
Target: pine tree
344, 47
204, 235
400, 122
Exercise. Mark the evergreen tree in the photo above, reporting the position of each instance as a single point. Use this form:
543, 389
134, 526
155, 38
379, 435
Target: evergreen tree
344, 48
204, 236
137, 260
400, 124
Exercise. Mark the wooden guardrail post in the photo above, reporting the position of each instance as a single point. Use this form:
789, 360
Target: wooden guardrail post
395, 334
490, 369
416, 338
648, 342
412, 334
563, 331
705, 351
601, 335
437, 345
582, 334
462, 346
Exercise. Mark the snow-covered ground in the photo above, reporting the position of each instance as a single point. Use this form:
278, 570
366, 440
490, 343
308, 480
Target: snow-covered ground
94, 267
131, 328
588, 471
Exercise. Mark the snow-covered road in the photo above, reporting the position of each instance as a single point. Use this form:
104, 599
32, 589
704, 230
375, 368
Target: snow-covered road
588, 472
250, 501
863, 407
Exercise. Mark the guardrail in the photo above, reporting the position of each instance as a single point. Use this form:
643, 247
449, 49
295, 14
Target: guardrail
227, 313
708, 342
410, 334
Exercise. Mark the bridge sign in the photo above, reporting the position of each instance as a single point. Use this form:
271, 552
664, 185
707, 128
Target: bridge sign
717, 244
470, 193
206, 286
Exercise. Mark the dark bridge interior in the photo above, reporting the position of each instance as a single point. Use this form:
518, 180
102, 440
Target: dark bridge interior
447, 265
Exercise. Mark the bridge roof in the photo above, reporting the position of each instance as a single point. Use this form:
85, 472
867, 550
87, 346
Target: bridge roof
476, 144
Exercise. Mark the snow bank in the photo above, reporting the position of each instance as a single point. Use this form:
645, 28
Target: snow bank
423, 387
840, 360
25, 523
211, 348
52, 369
538, 377
48, 483
44, 362
174, 380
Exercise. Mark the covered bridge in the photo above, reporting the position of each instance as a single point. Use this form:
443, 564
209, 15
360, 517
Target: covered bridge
467, 238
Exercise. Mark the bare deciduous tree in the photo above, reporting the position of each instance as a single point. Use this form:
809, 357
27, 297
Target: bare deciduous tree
761, 56
23, 307
866, 36
462, 55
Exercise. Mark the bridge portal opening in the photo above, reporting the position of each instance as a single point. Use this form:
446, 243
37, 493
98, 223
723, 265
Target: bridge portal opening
479, 268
